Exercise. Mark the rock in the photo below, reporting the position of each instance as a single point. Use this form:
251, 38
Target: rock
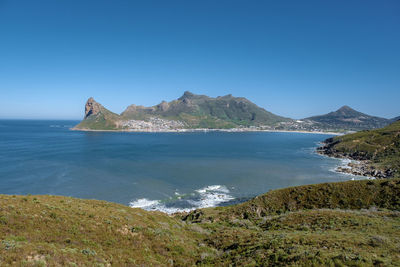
163, 106
92, 107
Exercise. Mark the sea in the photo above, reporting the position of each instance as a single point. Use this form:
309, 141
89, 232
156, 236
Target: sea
169, 172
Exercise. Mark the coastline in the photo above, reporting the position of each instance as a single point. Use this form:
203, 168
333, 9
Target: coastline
201, 130
349, 166
357, 167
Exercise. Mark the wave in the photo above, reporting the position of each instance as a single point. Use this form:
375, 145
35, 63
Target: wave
209, 196
344, 164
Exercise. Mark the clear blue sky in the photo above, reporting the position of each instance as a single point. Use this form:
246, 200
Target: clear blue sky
294, 58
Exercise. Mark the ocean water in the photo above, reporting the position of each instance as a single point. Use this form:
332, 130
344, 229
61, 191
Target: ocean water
156, 171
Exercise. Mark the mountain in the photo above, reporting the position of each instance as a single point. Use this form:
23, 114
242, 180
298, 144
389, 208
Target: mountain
347, 118
200, 111
379, 147
190, 111
354, 223
395, 119
98, 117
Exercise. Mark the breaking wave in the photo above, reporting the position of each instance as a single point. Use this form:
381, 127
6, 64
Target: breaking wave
209, 196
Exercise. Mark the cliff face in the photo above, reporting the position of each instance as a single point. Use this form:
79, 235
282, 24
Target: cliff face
92, 107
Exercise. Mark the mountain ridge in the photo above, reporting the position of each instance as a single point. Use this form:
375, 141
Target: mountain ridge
192, 111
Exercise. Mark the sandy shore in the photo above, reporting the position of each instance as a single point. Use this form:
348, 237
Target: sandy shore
234, 130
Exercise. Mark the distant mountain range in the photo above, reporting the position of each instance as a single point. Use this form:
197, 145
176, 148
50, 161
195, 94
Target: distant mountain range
192, 111
395, 119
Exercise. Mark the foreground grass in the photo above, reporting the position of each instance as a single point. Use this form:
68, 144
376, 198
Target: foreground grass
354, 223
40, 230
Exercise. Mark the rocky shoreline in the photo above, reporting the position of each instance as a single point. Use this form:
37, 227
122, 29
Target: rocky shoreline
358, 164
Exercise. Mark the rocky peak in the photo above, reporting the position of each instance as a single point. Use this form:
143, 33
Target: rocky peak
186, 95
92, 107
163, 106
225, 96
345, 109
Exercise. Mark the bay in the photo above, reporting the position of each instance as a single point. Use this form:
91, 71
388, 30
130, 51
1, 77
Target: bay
157, 171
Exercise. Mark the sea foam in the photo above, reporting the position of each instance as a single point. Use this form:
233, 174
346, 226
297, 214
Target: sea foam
209, 196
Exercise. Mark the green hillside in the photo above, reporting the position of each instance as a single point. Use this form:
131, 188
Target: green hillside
198, 111
353, 223
381, 147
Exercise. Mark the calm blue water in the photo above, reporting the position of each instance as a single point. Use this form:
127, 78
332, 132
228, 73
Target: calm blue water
166, 171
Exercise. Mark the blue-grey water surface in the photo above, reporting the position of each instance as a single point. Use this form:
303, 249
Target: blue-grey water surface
165, 171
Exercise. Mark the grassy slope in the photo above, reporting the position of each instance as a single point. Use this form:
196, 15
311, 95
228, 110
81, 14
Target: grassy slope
380, 146
67, 231
105, 120
317, 224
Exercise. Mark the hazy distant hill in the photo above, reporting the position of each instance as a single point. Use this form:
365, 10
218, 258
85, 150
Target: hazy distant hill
395, 119
348, 119
188, 111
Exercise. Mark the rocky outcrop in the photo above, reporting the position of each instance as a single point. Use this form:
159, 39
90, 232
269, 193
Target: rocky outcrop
364, 168
361, 164
92, 107
98, 117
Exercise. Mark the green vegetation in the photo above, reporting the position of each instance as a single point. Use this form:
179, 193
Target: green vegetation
381, 147
104, 120
52, 230
200, 111
355, 223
